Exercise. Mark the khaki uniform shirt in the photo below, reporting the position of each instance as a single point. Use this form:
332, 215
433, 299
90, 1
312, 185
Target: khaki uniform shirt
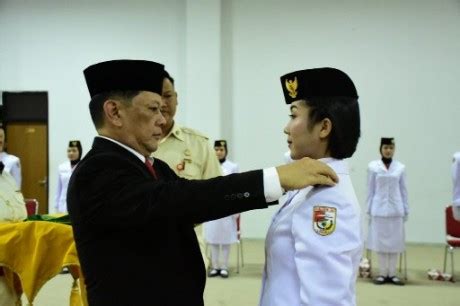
12, 205
189, 154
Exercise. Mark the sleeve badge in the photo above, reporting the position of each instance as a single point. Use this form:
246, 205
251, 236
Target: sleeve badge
324, 220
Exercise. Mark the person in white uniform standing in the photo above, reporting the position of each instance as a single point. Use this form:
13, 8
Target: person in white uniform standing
388, 209
74, 154
456, 185
314, 243
12, 163
221, 233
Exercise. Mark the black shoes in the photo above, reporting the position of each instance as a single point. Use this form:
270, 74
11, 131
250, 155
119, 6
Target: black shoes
380, 280
224, 273
216, 272
395, 281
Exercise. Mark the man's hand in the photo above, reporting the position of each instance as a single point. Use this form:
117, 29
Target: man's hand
306, 172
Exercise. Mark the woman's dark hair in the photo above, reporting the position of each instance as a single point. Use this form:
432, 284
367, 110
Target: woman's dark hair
343, 112
97, 102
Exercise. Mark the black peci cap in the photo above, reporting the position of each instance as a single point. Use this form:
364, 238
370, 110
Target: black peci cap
317, 82
124, 75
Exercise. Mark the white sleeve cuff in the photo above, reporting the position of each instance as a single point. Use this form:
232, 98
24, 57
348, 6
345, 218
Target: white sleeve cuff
272, 185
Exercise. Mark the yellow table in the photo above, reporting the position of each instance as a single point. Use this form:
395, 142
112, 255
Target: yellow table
33, 252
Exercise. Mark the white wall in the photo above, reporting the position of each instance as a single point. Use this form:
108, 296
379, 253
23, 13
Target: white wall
404, 59
402, 55
45, 45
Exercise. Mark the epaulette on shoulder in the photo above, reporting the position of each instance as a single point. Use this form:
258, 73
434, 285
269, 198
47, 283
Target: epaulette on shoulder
193, 132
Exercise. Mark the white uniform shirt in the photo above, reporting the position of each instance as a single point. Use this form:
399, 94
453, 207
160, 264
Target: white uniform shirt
12, 166
387, 191
313, 246
64, 172
456, 185
224, 230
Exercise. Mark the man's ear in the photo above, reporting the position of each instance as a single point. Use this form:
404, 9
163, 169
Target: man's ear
111, 109
326, 128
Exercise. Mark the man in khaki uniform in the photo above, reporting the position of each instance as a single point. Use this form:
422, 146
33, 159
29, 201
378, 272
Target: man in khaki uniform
185, 150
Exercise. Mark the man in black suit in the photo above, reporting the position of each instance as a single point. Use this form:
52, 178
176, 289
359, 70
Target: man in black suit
118, 201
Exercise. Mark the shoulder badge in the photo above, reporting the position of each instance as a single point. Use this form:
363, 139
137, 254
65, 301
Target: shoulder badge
291, 87
324, 219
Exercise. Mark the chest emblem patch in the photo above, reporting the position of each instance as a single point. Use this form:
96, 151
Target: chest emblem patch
324, 220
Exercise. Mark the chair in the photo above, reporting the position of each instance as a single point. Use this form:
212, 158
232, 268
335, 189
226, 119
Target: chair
31, 206
239, 245
403, 263
452, 238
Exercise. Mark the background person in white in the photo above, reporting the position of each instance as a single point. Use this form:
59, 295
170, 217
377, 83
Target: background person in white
12, 163
74, 153
388, 208
456, 185
221, 233
313, 245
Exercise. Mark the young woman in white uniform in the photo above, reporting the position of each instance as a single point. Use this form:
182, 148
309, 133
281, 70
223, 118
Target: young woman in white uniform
74, 153
388, 208
456, 184
221, 233
314, 243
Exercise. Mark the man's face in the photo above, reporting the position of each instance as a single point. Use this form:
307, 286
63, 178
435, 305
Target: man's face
2, 139
141, 122
168, 108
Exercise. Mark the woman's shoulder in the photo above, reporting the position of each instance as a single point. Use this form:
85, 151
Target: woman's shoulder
399, 165
456, 157
10, 158
64, 166
231, 165
340, 195
374, 164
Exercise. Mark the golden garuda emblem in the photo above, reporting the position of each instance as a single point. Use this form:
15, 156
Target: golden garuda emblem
291, 86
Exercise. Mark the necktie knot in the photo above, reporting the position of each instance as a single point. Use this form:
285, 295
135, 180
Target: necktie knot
149, 166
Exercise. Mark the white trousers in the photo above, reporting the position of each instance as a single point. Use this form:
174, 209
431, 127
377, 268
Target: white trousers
215, 256
387, 263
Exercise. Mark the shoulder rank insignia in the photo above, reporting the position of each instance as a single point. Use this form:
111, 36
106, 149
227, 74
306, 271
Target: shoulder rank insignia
324, 219
291, 87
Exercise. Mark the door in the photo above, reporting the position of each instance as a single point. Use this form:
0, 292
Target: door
29, 141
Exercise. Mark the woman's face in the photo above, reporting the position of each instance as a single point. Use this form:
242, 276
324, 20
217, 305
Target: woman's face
72, 153
388, 151
304, 141
221, 153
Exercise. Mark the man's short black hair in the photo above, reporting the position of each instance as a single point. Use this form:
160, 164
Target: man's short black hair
169, 77
97, 102
344, 115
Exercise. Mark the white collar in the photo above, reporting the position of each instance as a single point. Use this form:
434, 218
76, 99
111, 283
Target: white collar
137, 154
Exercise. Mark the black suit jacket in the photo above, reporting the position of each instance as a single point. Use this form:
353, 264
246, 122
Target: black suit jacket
134, 234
